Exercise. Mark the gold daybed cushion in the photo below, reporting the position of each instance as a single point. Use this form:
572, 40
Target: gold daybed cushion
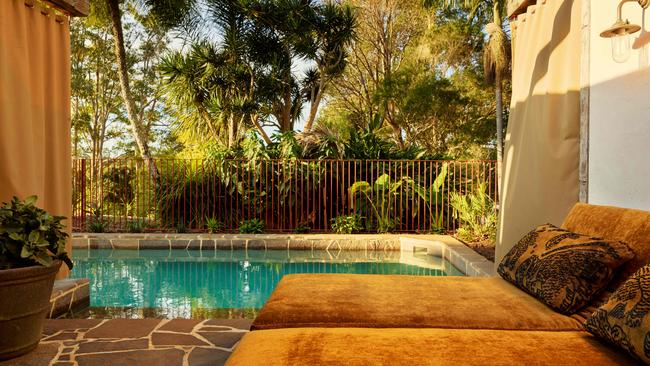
358, 346
371, 301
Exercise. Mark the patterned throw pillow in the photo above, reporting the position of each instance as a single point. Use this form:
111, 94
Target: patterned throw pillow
562, 269
625, 319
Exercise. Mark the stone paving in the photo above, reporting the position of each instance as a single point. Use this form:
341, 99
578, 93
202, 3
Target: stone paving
135, 342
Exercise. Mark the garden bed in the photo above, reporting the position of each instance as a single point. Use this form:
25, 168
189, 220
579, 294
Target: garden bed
485, 248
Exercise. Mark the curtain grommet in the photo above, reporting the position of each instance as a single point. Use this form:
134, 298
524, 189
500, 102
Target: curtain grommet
29, 3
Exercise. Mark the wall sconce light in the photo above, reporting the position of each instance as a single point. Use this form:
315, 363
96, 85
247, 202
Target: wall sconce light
620, 32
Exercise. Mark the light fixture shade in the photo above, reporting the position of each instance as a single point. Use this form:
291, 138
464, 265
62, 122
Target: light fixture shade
621, 48
619, 28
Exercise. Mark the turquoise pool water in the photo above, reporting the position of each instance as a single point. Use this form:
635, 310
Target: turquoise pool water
199, 284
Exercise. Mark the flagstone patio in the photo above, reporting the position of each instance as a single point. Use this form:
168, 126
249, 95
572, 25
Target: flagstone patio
135, 342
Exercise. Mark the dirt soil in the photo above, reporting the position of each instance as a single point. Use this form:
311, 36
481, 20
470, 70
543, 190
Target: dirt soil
484, 248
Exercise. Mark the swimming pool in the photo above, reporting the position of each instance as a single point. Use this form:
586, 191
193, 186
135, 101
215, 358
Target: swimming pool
218, 284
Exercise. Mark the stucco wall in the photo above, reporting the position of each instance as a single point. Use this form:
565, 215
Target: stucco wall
619, 157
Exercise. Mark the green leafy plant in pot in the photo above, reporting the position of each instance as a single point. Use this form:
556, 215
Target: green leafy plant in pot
32, 248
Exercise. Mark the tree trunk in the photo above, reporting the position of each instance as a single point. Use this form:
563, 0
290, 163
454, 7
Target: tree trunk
232, 132
498, 91
285, 124
315, 103
207, 119
120, 53
397, 130
260, 129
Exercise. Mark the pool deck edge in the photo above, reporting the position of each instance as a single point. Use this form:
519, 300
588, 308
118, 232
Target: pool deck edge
458, 254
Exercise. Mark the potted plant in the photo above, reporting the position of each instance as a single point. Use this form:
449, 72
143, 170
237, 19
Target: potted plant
32, 248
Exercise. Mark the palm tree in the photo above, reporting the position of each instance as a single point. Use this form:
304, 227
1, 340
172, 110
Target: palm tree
221, 90
496, 63
334, 30
214, 92
496, 55
282, 32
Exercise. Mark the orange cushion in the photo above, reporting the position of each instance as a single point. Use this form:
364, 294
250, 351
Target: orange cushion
362, 346
625, 319
371, 301
564, 270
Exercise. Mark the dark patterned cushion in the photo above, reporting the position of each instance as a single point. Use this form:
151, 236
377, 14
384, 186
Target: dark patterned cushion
624, 319
562, 269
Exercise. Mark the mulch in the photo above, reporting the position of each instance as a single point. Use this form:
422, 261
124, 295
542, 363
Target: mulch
485, 248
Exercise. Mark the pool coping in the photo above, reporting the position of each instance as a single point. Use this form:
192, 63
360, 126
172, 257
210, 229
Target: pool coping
453, 251
458, 254
68, 295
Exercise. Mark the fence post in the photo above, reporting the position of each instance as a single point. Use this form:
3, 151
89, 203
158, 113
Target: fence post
83, 194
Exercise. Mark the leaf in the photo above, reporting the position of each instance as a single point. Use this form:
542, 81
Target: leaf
26, 252
34, 236
440, 179
382, 182
30, 200
15, 236
395, 187
43, 259
359, 187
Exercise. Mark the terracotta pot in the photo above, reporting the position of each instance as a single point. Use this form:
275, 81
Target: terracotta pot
24, 303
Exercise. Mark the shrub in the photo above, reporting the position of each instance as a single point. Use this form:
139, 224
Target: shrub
213, 225
97, 226
96, 223
302, 228
254, 226
30, 236
181, 228
136, 226
347, 224
477, 215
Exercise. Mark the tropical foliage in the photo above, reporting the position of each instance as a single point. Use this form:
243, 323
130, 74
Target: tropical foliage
476, 212
348, 224
213, 225
397, 78
381, 196
264, 91
30, 236
253, 226
433, 198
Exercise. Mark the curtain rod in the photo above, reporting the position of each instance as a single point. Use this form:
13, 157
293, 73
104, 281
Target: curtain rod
45, 10
72, 8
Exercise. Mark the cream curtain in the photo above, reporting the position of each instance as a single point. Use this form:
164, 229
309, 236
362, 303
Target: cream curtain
541, 160
35, 106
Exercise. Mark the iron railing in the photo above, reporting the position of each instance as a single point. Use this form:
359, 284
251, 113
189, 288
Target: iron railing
288, 195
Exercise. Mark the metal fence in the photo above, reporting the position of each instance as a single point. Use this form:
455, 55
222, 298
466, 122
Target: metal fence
287, 195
